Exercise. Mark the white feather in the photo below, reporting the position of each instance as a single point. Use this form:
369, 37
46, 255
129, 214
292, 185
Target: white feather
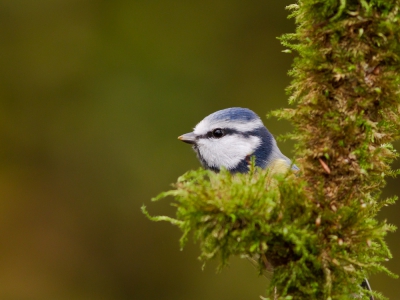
206, 125
227, 151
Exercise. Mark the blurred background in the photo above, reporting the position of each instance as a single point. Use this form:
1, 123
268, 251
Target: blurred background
93, 95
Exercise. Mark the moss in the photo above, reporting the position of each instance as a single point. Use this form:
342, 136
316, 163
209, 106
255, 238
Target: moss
317, 229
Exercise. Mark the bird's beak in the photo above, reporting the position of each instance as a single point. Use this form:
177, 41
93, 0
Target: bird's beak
189, 138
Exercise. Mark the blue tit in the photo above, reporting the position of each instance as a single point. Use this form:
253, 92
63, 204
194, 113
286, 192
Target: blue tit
228, 138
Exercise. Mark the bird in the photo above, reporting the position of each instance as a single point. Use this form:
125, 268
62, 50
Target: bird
228, 138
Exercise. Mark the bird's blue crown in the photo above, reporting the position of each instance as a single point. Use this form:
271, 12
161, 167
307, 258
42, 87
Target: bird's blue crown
233, 114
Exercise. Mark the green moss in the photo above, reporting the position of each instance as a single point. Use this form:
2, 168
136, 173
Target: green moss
317, 229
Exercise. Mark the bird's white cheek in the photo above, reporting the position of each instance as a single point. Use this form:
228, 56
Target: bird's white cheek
228, 151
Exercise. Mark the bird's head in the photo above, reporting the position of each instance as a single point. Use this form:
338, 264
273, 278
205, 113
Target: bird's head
229, 137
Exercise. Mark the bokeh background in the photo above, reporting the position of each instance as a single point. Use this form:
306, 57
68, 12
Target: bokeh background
93, 95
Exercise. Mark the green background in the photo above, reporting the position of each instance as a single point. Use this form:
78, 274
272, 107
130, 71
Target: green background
93, 95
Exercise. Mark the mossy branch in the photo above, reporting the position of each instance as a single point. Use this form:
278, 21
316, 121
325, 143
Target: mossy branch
317, 229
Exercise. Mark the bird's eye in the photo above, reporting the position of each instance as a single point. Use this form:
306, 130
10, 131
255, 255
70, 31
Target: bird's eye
218, 133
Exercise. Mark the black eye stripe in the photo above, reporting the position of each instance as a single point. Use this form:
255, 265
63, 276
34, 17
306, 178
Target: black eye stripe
231, 131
